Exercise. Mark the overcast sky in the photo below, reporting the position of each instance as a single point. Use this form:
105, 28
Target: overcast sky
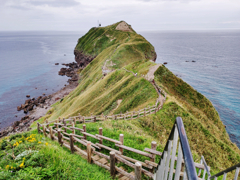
81, 15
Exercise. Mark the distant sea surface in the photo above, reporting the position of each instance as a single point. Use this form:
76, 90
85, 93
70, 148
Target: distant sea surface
27, 67
27, 62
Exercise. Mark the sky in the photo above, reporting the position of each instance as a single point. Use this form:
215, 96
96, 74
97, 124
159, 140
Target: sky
143, 15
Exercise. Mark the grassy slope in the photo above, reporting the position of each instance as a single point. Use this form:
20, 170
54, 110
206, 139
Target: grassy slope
206, 132
49, 161
97, 95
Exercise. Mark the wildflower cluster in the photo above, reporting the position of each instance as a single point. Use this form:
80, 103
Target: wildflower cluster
16, 165
31, 138
22, 164
17, 143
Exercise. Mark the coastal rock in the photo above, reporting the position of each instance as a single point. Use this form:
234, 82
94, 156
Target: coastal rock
28, 96
27, 102
56, 99
24, 118
56, 63
25, 110
82, 59
165, 63
30, 107
19, 108
16, 123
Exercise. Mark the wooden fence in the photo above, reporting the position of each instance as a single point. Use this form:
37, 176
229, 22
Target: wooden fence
126, 116
63, 131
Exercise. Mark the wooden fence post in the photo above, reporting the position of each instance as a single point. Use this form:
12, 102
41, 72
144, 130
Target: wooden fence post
71, 143
79, 116
47, 124
60, 138
121, 139
74, 120
105, 117
112, 164
64, 122
73, 126
44, 131
94, 119
154, 147
51, 133
138, 171
84, 130
38, 127
115, 117
100, 133
121, 114
89, 152
58, 122
55, 124
83, 119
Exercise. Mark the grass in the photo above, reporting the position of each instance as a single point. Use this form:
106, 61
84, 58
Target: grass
206, 132
40, 158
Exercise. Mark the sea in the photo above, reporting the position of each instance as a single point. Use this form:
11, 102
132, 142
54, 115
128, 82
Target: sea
207, 60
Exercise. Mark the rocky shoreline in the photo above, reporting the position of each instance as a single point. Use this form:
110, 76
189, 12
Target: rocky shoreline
35, 108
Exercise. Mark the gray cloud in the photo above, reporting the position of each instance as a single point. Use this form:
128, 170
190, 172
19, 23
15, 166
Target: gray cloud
54, 3
141, 14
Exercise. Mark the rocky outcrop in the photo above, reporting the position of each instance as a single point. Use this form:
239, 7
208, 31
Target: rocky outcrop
30, 103
154, 55
123, 26
82, 59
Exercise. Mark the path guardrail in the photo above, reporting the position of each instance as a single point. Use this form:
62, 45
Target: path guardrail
65, 133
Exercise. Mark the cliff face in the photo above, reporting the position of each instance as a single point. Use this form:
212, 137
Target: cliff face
82, 59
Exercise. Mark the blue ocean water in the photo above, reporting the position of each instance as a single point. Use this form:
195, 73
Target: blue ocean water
216, 72
27, 62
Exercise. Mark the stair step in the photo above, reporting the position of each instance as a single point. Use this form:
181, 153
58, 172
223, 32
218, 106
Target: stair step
103, 161
95, 158
123, 178
118, 174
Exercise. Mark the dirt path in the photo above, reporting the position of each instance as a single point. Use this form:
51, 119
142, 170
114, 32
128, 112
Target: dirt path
118, 103
150, 75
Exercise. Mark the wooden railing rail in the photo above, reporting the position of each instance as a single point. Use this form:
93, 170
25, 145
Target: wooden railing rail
93, 118
57, 132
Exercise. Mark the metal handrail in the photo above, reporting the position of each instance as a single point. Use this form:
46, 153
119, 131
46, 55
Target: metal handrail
184, 147
237, 166
206, 168
187, 155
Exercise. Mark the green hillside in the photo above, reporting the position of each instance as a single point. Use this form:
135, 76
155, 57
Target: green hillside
102, 83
